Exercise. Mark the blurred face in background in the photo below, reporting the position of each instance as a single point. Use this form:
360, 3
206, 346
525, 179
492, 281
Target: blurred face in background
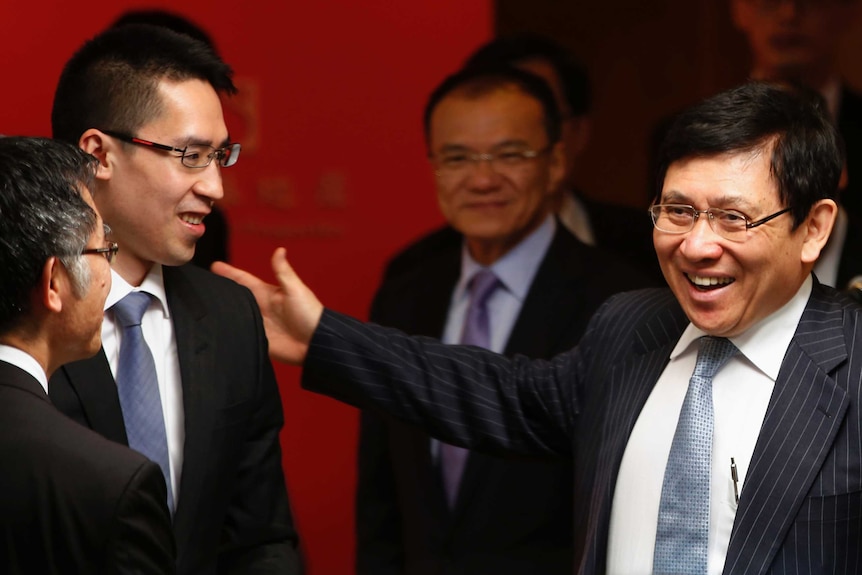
495, 168
794, 40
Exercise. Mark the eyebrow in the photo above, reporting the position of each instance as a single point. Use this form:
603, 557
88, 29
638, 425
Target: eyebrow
723, 202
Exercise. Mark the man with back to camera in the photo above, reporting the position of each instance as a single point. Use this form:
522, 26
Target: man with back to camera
493, 138
204, 403
620, 229
715, 427
71, 502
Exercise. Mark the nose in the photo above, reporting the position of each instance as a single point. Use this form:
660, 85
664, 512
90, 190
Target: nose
701, 242
209, 183
483, 174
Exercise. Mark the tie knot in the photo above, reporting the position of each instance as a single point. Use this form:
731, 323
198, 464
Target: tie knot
712, 355
482, 286
129, 310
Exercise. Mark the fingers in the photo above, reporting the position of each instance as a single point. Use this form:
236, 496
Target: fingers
239, 276
283, 271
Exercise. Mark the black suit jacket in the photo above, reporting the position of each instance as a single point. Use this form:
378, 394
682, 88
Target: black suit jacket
232, 512
512, 516
70, 501
800, 510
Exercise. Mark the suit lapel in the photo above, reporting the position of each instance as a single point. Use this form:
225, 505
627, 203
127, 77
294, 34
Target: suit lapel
194, 331
801, 423
92, 381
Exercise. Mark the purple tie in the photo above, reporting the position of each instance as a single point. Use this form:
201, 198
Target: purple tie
477, 331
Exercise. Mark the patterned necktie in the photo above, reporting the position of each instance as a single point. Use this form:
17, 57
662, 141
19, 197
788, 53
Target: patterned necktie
138, 387
477, 331
682, 536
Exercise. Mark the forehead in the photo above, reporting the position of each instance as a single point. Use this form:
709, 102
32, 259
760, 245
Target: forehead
743, 178
500, 114
189, 109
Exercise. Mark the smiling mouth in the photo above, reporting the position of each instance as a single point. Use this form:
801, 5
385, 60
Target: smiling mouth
192, 219
708, 283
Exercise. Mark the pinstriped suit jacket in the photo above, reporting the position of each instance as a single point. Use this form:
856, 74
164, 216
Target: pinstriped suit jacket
801, 508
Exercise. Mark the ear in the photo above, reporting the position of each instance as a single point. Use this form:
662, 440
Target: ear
556, 166
96, 143
817, 228
53, 283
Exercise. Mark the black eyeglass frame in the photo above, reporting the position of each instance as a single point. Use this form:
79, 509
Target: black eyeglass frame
227, 156
109, 252
709, 213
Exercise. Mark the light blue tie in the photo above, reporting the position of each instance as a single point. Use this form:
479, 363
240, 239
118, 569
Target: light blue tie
476, 331
682, 536
138, 387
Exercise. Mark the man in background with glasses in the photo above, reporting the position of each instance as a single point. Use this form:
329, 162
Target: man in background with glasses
183, 375
423, 507
71, 502
715, 427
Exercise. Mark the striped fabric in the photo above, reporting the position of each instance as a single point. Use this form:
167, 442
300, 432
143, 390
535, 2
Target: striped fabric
801, 509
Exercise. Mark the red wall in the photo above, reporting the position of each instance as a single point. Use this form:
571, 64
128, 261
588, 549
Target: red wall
333, 168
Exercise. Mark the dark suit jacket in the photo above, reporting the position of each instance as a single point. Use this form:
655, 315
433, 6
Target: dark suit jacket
70, 501
800, 510
232, 513
512, 516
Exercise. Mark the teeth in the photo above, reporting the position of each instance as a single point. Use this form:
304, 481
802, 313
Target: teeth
707, 282
189, 219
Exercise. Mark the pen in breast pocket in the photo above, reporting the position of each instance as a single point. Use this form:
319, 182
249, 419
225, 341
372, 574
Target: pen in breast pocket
735, 476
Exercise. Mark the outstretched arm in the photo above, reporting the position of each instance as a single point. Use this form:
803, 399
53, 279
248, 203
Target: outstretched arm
290, 310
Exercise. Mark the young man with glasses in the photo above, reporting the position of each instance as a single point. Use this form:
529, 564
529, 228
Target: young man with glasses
493, 139
72, 502
203, 400
742, 379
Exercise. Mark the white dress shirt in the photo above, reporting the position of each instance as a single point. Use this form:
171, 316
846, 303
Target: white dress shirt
158, 330
741, 392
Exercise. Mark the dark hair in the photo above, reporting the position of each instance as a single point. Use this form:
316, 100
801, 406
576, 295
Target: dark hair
512, 50
111, 83
42, 215
165, 19
475, 82
807, 155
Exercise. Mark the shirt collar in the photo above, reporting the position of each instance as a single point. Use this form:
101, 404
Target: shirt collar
23, 360
765, 343
153, 284
517, 268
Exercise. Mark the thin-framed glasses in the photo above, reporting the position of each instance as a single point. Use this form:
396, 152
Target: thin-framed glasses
109, 251
460, 163
192, 156
729, 224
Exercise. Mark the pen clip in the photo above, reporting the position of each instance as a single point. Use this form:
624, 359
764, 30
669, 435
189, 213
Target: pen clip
735, 476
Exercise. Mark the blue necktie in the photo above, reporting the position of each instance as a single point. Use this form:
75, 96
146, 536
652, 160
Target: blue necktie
682, 536
138, 387
476, 331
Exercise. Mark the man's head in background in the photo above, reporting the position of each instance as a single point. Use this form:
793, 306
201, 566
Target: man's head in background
493, 137
53, 251
566, 77
794, 40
